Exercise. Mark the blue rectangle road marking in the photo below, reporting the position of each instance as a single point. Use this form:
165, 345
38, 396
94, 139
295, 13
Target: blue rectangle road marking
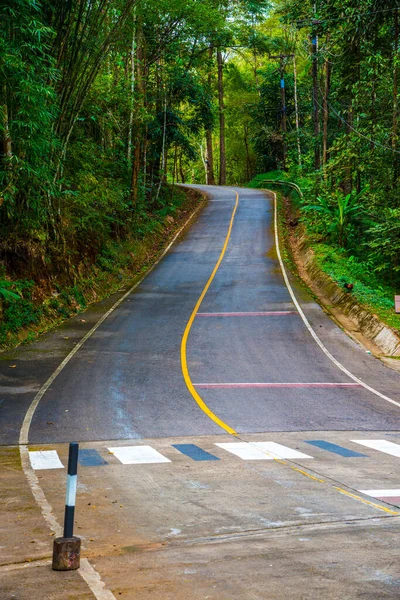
334, 448
194, 452
91, 458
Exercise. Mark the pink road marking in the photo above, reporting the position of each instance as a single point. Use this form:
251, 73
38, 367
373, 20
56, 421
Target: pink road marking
275, 385
272, 313
390, 499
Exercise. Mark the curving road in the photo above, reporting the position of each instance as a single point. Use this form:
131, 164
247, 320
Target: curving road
178, 507
126, 381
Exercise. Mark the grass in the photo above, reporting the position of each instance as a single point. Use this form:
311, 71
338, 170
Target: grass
39, 310
368, 290
339, 264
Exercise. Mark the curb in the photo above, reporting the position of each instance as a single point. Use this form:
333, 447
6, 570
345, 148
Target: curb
328, 291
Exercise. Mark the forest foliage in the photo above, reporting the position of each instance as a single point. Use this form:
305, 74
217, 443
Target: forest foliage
105, 104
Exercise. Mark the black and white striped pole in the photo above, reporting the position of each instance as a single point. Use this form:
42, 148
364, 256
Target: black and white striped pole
67, 549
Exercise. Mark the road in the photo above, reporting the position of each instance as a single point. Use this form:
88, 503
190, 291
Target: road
252, 439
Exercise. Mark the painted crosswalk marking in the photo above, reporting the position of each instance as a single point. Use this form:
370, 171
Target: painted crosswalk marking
281, 451
381, 445
136, 455
45, 459
245, 451
88, 457
194, 452
261, 450
382, 493
335, 449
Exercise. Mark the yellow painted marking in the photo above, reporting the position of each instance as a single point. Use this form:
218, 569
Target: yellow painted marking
378, 506
308, 475
185, 369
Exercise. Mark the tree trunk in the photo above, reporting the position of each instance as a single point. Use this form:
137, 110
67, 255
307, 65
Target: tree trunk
135, 172
132, 74
209, 141
317, 150
296, 108
326, 110
395, 99
246, 145
210, 158
283, 115
162, 175
174, 168
222, 152
6, 142
181, 171
138, 133
203, 159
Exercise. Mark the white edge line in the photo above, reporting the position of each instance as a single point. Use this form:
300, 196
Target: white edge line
94, 582
306, 322
87, 571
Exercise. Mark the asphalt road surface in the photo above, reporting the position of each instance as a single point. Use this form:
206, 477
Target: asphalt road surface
126, 381
301, 502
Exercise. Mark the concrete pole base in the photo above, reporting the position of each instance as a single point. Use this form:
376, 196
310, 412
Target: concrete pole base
66, 554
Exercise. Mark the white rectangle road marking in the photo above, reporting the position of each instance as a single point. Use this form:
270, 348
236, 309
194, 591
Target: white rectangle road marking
245, 451
381, 445
382, 493
137, 455
45, 459
261, 450
280, 451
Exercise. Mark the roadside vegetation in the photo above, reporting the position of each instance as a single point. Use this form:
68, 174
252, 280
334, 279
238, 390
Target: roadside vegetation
104, 105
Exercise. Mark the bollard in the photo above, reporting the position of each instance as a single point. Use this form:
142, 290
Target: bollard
67, 549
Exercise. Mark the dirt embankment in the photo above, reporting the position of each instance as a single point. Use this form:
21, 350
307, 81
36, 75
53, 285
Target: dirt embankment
361, 324
53, 300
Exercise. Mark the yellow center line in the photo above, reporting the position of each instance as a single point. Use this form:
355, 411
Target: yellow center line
189, 324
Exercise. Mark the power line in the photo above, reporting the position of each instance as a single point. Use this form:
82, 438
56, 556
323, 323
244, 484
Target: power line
316, 21
375, 142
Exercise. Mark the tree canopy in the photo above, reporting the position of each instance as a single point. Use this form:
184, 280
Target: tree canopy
105, 104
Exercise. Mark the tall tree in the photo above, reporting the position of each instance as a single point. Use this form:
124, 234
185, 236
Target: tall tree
221, 109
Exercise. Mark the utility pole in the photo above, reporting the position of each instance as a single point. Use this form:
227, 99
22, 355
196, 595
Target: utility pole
317, 151
296, 108
209, 139
282, 58
314, 54
222, 152
283, 98
395, 93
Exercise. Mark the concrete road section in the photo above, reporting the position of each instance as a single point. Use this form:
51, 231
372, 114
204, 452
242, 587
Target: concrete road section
224, 453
